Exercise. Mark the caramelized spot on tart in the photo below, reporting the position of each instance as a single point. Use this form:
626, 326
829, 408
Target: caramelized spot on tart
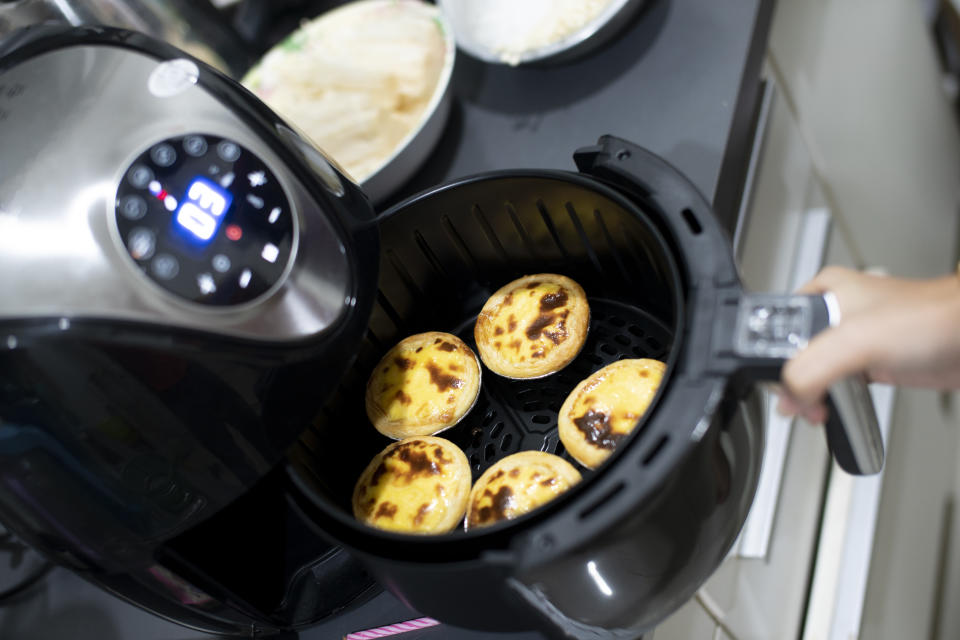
596, 426
502, 502
443, 381
386, 510
422, 513
537, 326
551, 301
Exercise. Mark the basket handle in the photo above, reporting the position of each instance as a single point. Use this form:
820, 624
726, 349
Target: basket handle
772, 328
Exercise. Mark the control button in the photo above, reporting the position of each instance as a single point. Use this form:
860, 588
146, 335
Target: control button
257, 178
234, 232
206, 284
245, 278
274, 215
163, 155
172, 77
227, 180
141, 243
270, 252
229, 151
221, 263
140, 176
195, 146
133, 207
165, 266
256, 201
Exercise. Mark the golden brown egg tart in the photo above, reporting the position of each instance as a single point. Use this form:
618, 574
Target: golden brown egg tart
516, 485
604, 408
533, 326
427, 383
419, 485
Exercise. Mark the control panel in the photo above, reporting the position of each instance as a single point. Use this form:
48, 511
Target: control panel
206, 219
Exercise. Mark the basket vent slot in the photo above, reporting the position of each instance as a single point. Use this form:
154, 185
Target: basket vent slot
552, 229
692, 222
661, 444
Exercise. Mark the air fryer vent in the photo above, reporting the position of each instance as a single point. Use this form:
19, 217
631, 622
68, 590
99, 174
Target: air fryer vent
519, 415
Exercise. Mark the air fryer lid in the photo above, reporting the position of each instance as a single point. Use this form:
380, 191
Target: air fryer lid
220, 218
187, 279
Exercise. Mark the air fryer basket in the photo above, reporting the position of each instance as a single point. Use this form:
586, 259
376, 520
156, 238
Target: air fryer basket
660, 514
441, 263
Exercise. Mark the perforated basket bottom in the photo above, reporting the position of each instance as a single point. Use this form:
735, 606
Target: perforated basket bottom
521, 415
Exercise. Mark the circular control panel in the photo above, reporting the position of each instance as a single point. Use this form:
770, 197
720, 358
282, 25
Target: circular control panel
205, 219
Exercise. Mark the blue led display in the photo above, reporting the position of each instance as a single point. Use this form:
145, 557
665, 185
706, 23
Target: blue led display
203, 208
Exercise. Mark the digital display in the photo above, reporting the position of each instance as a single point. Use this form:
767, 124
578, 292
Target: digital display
202, 208
205, 219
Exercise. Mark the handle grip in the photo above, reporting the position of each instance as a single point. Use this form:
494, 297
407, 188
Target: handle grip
772, 328
853, 433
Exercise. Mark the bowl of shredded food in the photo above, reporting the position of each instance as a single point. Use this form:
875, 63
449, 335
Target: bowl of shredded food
368, 83
516, 32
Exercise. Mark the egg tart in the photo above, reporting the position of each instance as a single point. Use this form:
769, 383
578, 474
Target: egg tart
533, 326
418, 485
426, 383
604, 408
516, 485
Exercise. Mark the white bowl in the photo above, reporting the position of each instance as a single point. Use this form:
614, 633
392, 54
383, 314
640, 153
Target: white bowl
574, 44
397, 166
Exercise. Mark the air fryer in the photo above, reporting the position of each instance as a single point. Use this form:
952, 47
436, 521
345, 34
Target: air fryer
191, 443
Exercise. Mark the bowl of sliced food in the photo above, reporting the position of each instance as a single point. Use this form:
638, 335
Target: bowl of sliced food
368, 83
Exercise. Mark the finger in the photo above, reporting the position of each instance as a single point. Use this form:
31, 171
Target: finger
817, 414
832, 355
787, 407
825, 280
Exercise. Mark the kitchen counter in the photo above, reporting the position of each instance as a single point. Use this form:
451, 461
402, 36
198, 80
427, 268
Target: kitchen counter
682, 80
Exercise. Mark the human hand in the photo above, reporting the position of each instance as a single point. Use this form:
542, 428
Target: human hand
903, 332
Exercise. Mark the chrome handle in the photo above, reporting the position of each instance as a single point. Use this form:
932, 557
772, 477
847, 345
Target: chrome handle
853, 432
770, 329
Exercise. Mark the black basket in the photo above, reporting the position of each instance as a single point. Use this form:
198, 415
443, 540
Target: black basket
444, 255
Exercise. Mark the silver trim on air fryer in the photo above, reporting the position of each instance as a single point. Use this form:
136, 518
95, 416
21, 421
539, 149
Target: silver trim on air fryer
773, 326
852, 401
65, 154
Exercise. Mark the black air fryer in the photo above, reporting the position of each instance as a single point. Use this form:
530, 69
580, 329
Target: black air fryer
193, 299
